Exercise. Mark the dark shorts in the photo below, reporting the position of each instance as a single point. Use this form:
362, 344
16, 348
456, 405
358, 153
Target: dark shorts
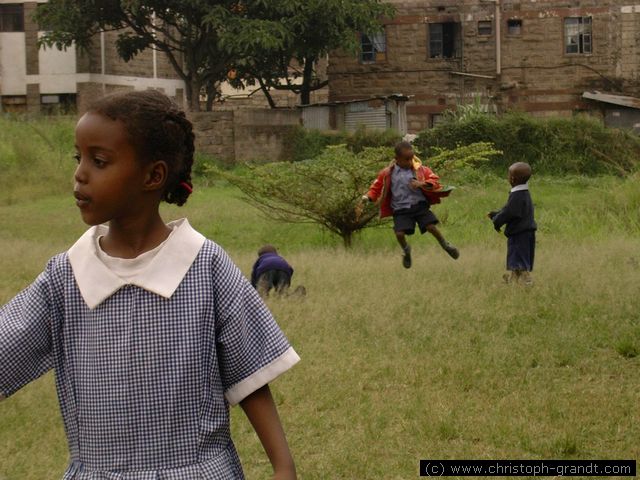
405, 220
521, 250
276, 279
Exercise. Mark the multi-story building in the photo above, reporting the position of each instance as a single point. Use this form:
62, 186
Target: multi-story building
538, 56
36, 80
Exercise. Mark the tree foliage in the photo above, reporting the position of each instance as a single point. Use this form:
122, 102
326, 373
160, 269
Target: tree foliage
311, 29
327, 190
272, 43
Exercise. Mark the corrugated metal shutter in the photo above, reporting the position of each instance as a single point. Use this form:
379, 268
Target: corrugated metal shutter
316, 118
357, 114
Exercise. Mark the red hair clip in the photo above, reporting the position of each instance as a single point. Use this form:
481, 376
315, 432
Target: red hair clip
186, 186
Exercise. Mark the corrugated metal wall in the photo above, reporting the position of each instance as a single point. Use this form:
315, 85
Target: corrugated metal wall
628, 118
360, 113
316, 118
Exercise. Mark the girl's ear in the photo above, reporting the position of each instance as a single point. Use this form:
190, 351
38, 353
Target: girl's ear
156, 176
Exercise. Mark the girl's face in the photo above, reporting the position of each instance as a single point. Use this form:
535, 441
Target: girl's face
109, 179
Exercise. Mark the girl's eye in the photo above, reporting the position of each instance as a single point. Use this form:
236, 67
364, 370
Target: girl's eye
76, 157
99, 163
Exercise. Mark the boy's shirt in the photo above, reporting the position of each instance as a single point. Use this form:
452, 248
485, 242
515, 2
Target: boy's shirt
266, 262
380, 190
517, 214
402, 195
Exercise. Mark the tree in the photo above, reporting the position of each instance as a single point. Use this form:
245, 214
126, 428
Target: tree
189, 32
327, 190
311, 29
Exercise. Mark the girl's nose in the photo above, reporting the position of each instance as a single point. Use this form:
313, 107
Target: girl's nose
80, 174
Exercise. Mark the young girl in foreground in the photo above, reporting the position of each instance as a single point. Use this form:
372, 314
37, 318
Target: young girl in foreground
152, 330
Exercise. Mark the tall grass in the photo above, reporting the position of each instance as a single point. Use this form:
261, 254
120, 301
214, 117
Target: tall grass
36, 157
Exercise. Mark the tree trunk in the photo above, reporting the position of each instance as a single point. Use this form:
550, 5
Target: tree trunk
193, 94
307, 76
265, 90
211, 95
347, 239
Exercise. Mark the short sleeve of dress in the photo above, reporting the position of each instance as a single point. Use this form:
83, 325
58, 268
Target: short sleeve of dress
25, 337
252, 350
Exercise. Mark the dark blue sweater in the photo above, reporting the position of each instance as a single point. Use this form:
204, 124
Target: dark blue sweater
517, 214
266, 262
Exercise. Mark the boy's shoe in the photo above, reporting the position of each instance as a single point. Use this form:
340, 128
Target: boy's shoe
451, 250
406, 258
300, 291
506, 278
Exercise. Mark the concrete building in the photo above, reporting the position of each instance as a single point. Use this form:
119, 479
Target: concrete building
48, 80
538, 56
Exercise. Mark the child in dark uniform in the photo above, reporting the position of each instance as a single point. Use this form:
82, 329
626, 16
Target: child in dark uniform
521, 228
271, 271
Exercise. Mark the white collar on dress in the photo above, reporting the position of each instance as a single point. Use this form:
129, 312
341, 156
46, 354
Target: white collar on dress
162, 277
519, 188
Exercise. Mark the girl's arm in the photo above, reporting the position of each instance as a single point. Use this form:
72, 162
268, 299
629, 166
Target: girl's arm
263, 415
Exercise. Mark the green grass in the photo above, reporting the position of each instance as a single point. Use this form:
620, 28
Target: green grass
439, 361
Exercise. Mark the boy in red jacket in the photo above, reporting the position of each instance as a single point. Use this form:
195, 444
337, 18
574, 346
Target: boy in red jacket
406, 189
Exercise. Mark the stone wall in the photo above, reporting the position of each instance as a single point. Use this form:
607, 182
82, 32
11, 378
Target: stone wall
537, 75
239, 135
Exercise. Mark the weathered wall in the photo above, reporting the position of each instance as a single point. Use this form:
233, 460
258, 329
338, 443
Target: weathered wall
238, 135
537, 75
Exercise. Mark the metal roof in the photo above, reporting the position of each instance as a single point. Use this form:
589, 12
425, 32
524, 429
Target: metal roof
623, 101
396, 96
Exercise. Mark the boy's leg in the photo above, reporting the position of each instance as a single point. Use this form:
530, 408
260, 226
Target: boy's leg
406, 249
404, 224
265, 283
447, 247
281, 281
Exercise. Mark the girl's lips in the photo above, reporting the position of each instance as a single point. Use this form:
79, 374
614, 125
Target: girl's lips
81, 200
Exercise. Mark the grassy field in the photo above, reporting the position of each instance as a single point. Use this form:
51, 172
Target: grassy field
440, 361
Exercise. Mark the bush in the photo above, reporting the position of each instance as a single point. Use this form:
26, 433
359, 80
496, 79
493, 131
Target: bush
302, 144
327, 190
578, 145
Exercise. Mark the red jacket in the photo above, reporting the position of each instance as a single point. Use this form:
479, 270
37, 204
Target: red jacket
380, 190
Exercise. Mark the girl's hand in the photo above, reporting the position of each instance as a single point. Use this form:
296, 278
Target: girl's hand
284, 475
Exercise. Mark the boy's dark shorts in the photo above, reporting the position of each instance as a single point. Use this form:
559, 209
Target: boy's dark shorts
277, 279
404, 220
521, 250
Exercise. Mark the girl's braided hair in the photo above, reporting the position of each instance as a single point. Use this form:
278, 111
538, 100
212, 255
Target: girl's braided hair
158, 129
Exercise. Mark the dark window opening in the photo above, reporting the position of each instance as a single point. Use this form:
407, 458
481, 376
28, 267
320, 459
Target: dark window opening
444, 40
373, 48
62, 104
514, 26
577, 35
11, 17
485, 27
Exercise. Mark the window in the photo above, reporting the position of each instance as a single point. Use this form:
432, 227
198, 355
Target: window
577, 35
373, 48
11, 17
484, 27
444, 40
514, 26
436, 119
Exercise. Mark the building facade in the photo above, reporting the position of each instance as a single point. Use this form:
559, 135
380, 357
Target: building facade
537, 56
38, 80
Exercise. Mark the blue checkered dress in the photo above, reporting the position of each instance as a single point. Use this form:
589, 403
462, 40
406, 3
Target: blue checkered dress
141, 378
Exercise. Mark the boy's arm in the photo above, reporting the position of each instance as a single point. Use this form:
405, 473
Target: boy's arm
254, 270
263, 415
376, 188
510, 212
